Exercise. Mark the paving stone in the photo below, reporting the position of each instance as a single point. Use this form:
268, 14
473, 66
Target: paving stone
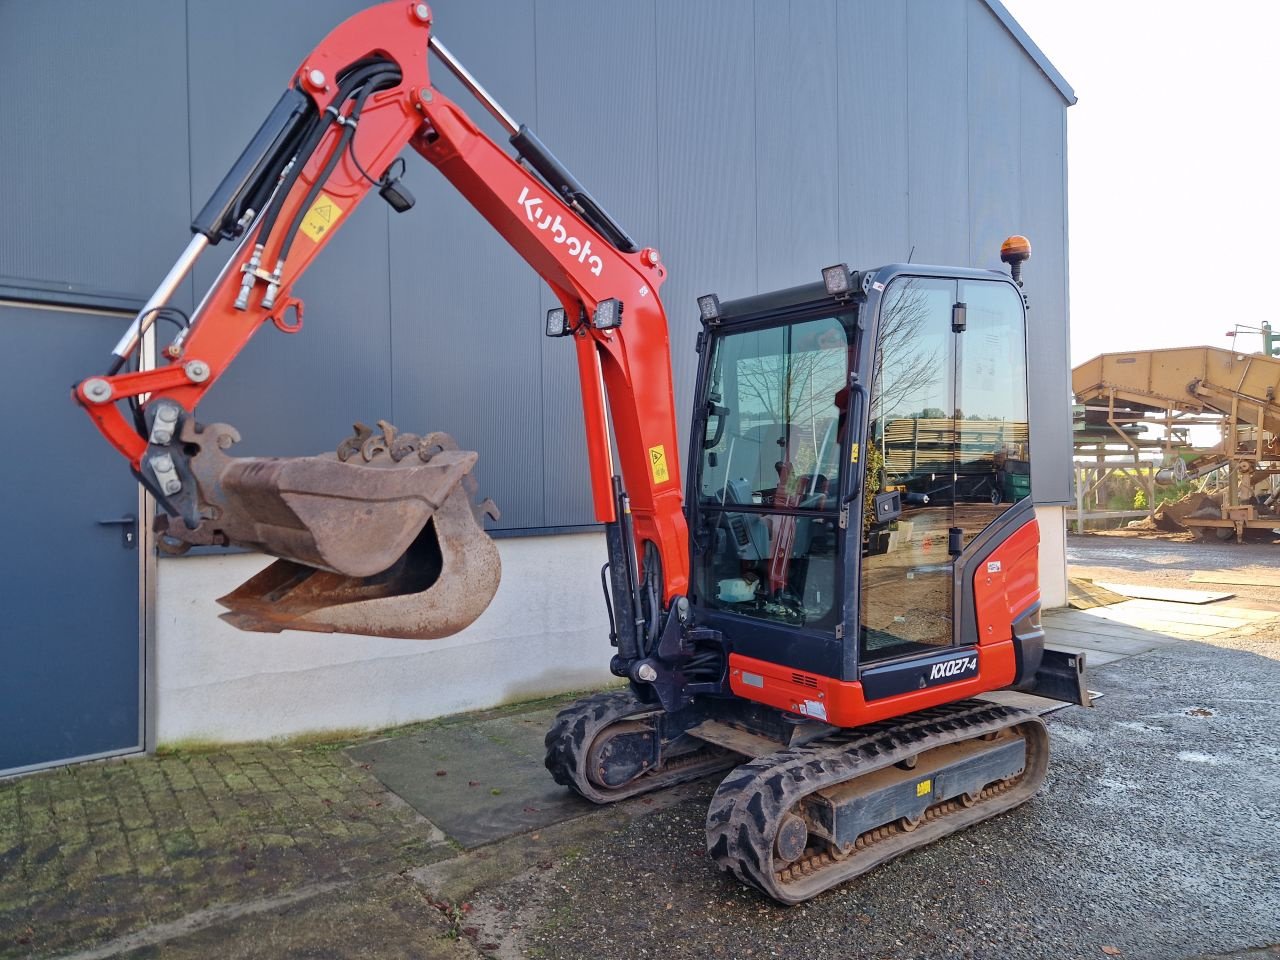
101, 850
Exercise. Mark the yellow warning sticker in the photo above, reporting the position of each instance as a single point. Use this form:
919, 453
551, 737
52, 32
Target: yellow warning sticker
658, 463
924, 788
853, 453
324, 213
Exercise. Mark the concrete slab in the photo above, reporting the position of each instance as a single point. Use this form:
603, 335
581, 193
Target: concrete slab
479, 781
1239, 578
1254, 611
1151, 619
1086, 623
1089, 642
1141, 617
1210, 613
1142, 591
1100, 627
1175, 628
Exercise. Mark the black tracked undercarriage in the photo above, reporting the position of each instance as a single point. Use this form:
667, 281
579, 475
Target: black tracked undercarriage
815, 805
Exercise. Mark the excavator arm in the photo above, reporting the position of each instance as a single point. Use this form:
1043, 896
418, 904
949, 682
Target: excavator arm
369, 536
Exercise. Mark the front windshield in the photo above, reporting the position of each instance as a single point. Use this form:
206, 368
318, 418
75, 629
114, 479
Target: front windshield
779, 395
768, 481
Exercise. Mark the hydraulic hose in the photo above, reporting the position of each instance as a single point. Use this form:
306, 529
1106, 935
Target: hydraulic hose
374, 82
348, 82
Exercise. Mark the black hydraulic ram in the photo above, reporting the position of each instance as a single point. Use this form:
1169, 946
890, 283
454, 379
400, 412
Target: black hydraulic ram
558, 177
623, 581
535, 153
255, 174
246, 188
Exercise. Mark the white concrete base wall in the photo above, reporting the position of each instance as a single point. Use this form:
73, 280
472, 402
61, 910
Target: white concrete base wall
545, 632
1053, 556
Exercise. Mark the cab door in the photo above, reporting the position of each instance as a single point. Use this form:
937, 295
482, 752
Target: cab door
949, 432
907, 590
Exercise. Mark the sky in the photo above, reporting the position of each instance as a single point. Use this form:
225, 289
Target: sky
1173, 169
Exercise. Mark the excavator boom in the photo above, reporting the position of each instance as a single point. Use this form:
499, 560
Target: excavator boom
384, 537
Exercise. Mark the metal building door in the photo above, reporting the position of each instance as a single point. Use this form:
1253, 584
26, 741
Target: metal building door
71, 653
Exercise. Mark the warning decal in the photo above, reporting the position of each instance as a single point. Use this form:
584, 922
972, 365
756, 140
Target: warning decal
658, 463
324, 213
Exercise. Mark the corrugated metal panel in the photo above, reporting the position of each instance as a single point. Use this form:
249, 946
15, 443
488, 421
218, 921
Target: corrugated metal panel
871, 101
995, 67
752, 143
706, 147
797, 151
1044, 210
296, 394
467, 327
94, 143
603, 125
937, 105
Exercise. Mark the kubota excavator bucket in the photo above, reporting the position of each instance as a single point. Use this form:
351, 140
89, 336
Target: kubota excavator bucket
381, 538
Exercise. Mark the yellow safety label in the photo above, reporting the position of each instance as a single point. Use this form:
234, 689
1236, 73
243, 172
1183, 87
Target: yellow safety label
853, 453
924, 788
324, 213
658, 463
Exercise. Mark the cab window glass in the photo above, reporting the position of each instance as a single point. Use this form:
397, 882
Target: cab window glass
769, 471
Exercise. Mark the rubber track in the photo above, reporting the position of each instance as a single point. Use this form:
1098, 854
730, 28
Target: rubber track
749, 804
576, 727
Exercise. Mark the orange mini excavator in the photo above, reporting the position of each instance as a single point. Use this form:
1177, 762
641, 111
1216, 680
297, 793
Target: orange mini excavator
852, 561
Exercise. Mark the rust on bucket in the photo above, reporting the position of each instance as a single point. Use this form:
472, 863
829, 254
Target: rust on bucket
381, 538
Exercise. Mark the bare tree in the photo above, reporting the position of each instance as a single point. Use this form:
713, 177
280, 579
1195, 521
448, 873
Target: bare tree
908, 364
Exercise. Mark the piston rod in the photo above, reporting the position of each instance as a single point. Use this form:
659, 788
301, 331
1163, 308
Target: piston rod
473, 85
147, 316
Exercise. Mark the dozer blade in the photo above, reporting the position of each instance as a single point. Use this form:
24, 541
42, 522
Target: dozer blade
380, 539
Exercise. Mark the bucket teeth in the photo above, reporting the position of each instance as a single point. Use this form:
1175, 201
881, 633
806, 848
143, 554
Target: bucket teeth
382, 538
368, 445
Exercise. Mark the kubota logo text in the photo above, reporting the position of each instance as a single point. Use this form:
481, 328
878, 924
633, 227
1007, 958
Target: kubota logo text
577, 248
953, 668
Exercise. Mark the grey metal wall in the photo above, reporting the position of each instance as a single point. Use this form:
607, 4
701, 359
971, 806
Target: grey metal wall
752, 144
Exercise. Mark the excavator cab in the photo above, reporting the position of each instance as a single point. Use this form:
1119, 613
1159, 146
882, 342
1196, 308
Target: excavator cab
859, 498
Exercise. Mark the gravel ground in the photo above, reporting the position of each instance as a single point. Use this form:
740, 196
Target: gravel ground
1155, 837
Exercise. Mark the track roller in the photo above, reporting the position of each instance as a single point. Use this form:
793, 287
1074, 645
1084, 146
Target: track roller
611, 746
